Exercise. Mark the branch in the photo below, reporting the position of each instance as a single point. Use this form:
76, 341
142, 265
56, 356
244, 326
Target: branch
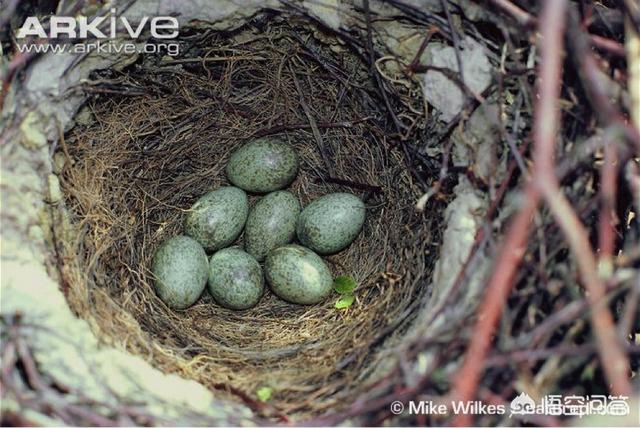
521, 16
614, 360
595, 87
546, 123
608, 220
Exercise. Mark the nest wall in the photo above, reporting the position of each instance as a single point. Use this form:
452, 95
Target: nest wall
160, 135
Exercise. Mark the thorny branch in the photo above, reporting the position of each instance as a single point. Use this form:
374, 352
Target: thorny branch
544, 184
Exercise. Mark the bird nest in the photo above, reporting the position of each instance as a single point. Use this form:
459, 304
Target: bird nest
160, 135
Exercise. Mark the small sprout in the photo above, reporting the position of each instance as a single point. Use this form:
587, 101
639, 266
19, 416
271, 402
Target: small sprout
439, 377
344, 284
264, 393
345, 301
588, 373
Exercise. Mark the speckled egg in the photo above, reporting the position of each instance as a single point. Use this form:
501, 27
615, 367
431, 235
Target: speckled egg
298, 275
263, 166
271, 223
217, 218
330, 223
235, 279
180, 269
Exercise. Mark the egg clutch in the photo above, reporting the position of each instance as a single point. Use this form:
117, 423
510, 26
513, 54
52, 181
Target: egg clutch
233, 276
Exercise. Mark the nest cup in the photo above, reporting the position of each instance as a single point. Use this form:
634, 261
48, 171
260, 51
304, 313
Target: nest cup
160, 138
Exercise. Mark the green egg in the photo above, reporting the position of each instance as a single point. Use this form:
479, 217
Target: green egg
298, 275
180, 269
330, 223
271, 223
217, 218
235, 279
263, 166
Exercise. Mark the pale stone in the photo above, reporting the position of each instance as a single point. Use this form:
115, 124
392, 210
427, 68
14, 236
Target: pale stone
444, 94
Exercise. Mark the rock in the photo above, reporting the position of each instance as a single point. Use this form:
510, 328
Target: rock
440, 91
54, 194
477, 144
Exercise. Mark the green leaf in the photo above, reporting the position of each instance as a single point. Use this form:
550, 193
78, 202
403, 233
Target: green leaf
588, 373
264, 393
345, 301
344, 284
439, 377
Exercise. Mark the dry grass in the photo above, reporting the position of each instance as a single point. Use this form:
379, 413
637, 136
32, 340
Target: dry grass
161, 139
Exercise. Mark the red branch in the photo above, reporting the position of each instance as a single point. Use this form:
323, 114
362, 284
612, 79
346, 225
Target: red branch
526, 20
546, 122
523, 17
595, 85
608, 185
545, 184
613, 358
608, 45
500, 283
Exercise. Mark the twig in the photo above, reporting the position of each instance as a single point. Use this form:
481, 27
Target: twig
527, 355
608, 220
614, 360
255, 405
501, 281
528, 21
31, 371
363, 406
499, 286
353, 184
479, 241
632, 10
568, 313
325, 157
608, 45
456, 39
334, 70
314, 126
595, 87
411, 68
295, 126
213, 59
633, 63
418, 14
372, 65
631, 308
453, 76
521, 16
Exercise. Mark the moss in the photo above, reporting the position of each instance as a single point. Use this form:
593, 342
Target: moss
32, 135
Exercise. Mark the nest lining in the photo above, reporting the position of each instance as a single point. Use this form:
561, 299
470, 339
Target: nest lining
162, 135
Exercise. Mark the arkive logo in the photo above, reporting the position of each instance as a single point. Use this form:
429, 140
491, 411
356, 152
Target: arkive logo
105, 35
161, 27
